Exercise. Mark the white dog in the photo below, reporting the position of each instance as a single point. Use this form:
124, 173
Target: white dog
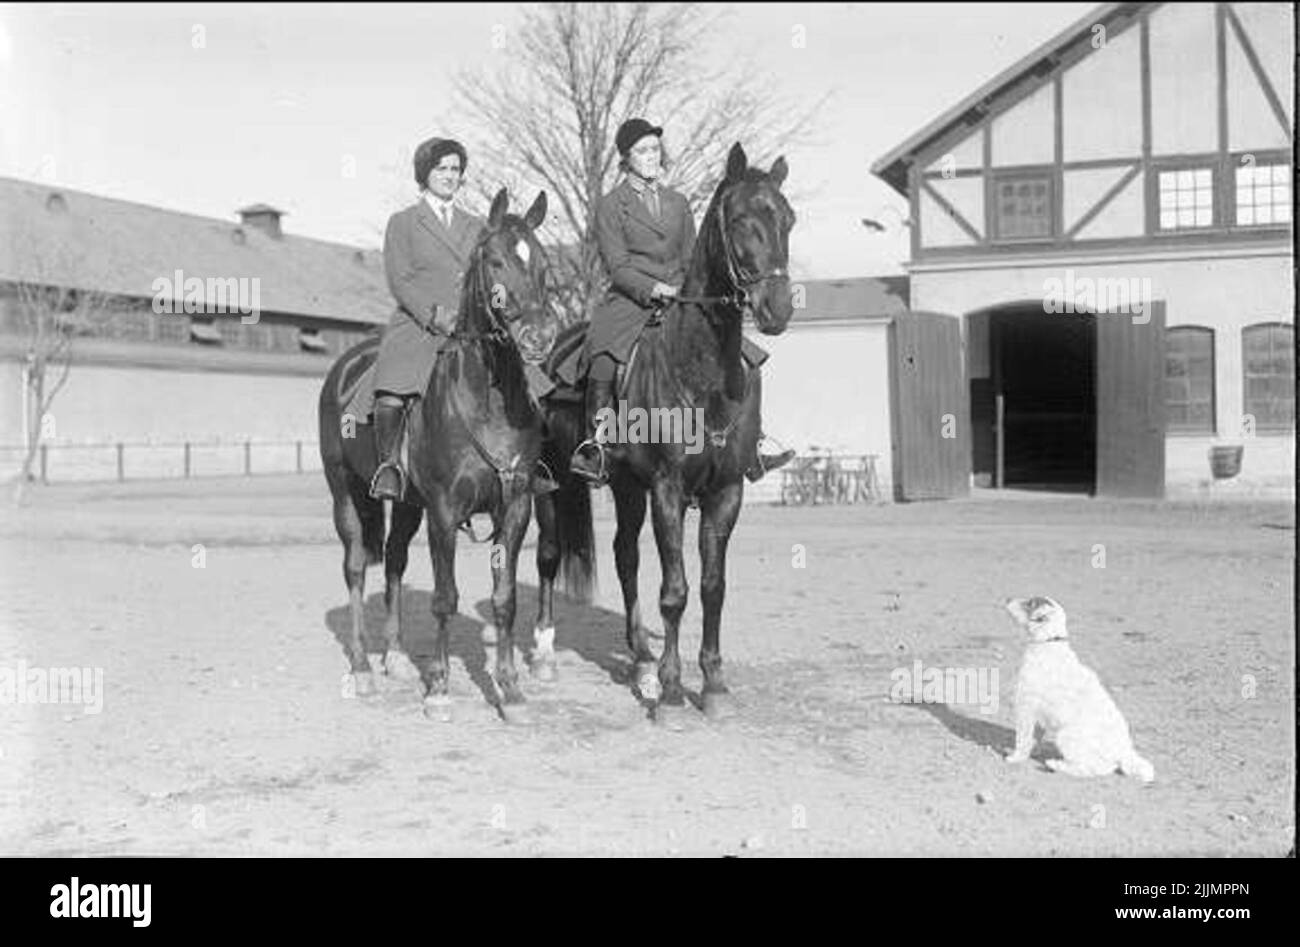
1060, 693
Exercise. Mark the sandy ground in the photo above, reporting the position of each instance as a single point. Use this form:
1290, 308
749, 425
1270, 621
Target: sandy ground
225, 728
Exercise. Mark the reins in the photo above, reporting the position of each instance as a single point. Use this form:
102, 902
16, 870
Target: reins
737, 299
507, 473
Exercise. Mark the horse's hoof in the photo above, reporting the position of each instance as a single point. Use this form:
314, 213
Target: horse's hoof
719, 705
438, 707
399, 667
674, 717
517, 715
363, 684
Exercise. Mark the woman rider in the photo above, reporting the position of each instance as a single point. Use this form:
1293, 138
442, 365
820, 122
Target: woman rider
426, 249
645, 234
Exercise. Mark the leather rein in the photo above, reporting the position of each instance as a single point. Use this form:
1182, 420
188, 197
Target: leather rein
738, 299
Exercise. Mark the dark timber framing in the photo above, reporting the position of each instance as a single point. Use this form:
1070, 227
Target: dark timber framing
979, 115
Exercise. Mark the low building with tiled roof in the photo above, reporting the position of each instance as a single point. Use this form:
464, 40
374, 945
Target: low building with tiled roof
154, 369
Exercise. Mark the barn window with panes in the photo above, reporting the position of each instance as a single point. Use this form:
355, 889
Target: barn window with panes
1268, 368
1263, 194
1186, 198
1023, 207
1189, 379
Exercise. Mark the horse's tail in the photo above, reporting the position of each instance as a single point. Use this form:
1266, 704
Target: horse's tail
576, 538
575, 534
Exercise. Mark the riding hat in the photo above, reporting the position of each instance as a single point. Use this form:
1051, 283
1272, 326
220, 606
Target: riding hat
632, 131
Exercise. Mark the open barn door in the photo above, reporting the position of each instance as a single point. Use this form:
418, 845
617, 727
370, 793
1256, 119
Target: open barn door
1131, 403
929, 407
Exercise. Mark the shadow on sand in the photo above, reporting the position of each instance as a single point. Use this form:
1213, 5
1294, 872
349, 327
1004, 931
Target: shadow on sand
595, 634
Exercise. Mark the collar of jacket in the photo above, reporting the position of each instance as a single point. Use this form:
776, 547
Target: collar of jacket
640, 186
456, 238
438, 205
635, 205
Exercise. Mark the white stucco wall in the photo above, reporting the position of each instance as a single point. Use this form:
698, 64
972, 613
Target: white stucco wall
103, 404
827, 384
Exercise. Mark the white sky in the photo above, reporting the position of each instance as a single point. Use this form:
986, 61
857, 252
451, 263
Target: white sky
116, 100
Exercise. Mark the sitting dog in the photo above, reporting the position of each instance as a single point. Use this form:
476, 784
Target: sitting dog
1060, 693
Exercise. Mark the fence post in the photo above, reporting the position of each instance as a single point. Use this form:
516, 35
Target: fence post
121, 465
297, 445
248, 458
45, 458
187, 460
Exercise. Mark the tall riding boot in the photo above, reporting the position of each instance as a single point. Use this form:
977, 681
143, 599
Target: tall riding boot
762, 462
389, 482
590, 457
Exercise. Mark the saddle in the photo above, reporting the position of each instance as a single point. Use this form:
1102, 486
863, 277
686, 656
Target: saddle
566, 367
356, 387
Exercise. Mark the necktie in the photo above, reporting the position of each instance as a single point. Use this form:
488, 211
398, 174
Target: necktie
652, 201
446, 216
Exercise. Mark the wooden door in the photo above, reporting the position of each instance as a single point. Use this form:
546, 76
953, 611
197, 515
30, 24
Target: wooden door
929, 407
1131, 403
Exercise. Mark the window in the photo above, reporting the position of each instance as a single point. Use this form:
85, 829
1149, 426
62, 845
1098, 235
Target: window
312, 340
1263, 194
1268, 366
1023, 207
205, 332
1186, 198
1189, 379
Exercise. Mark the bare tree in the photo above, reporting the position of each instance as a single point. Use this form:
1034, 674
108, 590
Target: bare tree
51, 317
546, 115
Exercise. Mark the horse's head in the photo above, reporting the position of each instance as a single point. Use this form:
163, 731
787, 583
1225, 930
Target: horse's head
510, 270
755, 220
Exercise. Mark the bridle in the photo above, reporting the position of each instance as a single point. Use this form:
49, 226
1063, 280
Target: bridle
741, 282
499, 332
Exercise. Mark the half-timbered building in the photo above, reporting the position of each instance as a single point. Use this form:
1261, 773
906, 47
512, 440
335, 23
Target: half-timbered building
1110, 223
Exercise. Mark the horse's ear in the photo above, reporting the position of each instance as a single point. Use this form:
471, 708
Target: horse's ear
779, 170
736, 162
498, 212
536, 215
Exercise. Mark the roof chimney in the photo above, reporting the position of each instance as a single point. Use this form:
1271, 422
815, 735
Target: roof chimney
264, 217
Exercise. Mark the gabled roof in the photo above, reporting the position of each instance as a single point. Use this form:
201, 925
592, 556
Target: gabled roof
892, 167
59, 236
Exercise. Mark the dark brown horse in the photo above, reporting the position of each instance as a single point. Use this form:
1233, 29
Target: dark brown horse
692, 362
474, 441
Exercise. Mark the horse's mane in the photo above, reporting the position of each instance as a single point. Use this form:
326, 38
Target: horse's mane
474, 321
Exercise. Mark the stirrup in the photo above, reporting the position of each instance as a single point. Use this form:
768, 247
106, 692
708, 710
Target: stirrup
401, 481
601, 477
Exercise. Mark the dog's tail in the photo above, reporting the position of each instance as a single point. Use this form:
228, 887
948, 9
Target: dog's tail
1134, 765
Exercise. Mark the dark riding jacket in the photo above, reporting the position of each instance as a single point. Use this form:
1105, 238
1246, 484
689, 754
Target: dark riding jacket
638, 251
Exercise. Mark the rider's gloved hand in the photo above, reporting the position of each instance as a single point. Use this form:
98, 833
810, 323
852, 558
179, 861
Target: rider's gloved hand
663, 291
